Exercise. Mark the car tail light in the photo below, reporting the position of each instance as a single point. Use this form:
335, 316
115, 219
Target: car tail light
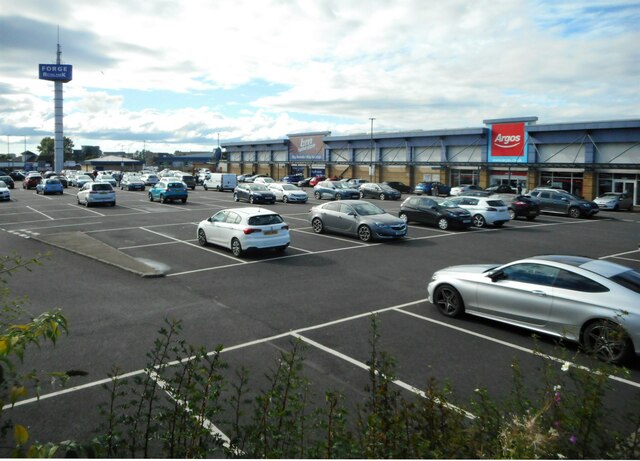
519, 203
250, 230
285, 227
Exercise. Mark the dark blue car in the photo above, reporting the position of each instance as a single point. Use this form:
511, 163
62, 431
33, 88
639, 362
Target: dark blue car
432, 188
253, 193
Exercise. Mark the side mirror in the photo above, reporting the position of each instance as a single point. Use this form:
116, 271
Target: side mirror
496, 275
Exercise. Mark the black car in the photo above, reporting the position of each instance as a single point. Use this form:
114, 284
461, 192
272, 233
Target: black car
378, 190
399, 186
520, 206
253, 193
8, 181
501, 189
16, 176
430, 211
559, 201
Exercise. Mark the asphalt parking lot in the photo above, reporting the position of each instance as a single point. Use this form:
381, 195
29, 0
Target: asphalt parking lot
323, 290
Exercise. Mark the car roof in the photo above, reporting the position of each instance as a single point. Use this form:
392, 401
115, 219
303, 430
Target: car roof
597, 266
251, 211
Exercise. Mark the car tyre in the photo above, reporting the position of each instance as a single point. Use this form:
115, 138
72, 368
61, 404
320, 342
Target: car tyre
236, 247
574, 212
285, 199
479, 221
205, 187
150, 197
317, 225
281, 249
607, 341
364, 233
338, 197
163, 199
251, 199
317, 195
512, 213
531, 218
448, 301
184, 200
361, 195
235, 197
382, 197
202, 237
404, 217
443, 224
113, 203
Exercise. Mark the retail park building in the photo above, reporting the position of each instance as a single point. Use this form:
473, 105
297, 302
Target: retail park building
585, 158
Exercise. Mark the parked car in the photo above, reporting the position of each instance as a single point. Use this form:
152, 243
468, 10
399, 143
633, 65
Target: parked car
430, 210
169, 191
288, 193
96, 192
51, 185
244, 177
357, 218
150, 179
266, 180
305, 182
316, 179
612, 201
431, 188
380, 191
253, 193
189, 180
559, 201
355, 183
399, 186
590, 301
501, 189
31, 181
475, 193
335, 190
132, 182
16, 176
293, 179
484, 210
520, 206
8, 181
105, 177
457, 190
5, 193
244, 229
80, 180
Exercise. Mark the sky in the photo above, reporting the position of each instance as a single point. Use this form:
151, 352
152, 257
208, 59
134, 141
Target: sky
184, 75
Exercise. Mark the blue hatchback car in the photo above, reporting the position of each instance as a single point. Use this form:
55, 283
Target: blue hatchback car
169, 191
49, 186
335, 190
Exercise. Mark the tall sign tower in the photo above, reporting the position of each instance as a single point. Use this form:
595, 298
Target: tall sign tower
58, 73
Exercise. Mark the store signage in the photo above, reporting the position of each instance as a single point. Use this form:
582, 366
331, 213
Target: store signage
56, 72
309, 147
508, 143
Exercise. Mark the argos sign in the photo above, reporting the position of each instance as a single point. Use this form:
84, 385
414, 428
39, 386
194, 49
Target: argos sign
508, 143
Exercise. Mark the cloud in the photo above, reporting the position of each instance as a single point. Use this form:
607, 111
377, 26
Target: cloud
181, 72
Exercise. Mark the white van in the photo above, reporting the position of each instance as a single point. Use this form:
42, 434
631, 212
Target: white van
221, 181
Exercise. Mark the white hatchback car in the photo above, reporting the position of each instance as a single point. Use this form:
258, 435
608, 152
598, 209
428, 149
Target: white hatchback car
288, 193
243, 229
484, 210
96, 192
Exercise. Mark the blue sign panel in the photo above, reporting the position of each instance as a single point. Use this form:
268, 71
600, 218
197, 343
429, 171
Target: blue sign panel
56, 72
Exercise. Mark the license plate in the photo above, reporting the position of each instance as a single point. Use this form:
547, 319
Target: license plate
532, 213
466, 221
271, 232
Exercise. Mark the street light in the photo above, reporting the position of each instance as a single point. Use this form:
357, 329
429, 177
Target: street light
371, 173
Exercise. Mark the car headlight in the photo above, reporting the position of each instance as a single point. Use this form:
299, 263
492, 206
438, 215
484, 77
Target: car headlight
380, 224
434, 277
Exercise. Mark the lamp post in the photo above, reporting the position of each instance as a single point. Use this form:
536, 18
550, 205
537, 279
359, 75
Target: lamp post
371, 172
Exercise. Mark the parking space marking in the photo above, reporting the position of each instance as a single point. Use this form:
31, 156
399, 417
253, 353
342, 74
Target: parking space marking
620, 256
516, 347
40, 212
330, 236
85, 208
185, 242
365, 367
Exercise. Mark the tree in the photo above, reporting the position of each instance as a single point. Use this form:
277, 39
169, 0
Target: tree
47, 149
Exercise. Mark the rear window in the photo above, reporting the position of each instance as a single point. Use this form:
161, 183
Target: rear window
265, 220
102, 186
175, 185
628, 279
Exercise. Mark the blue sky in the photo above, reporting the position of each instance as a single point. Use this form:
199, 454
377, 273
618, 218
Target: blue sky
176, 75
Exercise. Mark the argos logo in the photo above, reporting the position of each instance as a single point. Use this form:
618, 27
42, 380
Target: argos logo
507, 140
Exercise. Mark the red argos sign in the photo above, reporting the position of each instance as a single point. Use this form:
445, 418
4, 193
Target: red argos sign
508, 140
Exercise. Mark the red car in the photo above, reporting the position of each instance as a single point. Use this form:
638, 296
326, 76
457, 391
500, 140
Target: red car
31, 181
316, 180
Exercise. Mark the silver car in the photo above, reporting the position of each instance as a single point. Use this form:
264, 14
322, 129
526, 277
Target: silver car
357, 218
590, 301
614, 201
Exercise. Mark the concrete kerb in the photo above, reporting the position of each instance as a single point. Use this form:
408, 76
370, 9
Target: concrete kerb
82, 244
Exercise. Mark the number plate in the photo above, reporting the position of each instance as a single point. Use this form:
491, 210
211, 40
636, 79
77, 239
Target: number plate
271, 232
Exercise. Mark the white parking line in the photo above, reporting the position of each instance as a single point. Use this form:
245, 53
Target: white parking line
330, 237
40, 212
85, 208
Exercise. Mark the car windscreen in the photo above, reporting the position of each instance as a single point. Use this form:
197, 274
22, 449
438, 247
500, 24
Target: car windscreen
265, 220
289, 187
258, 188
367, 209
386, 187
341, 185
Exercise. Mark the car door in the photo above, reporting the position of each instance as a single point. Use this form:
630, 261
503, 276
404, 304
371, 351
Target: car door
213, 228
428, 211
520, 293
277, 190
331, 216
